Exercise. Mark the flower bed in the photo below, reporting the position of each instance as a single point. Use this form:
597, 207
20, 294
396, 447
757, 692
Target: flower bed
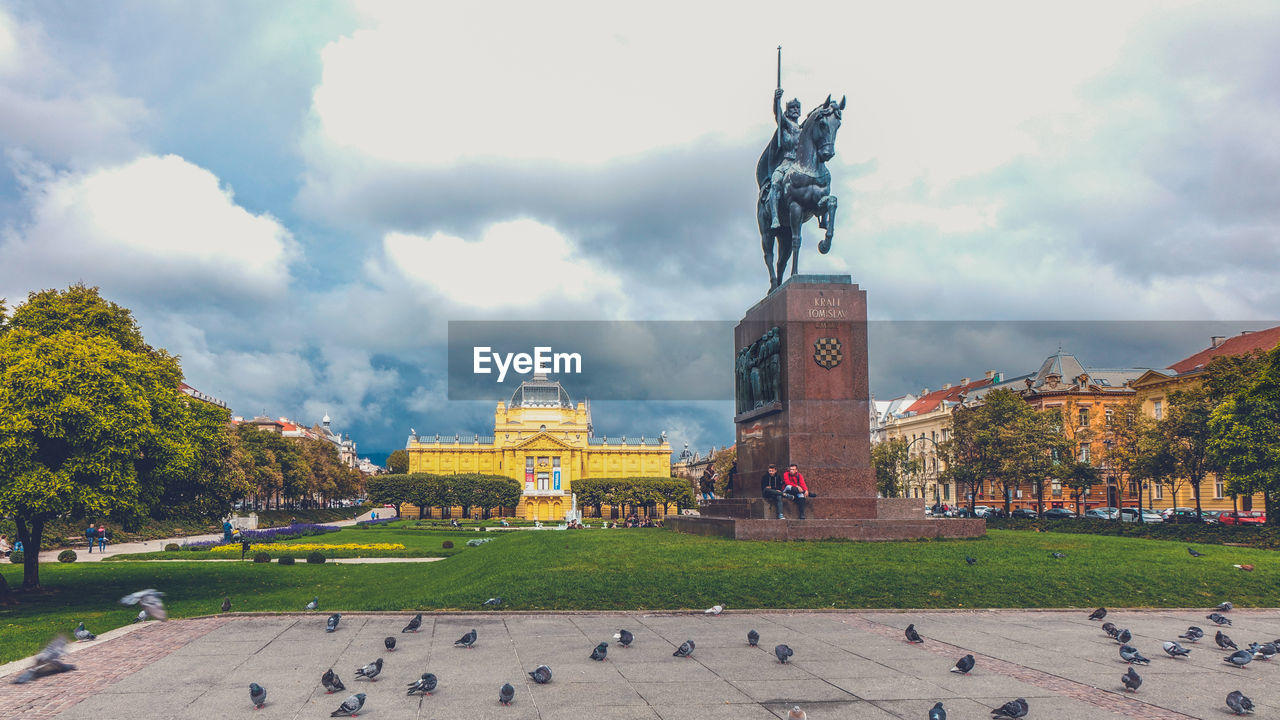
289, 532
307, 547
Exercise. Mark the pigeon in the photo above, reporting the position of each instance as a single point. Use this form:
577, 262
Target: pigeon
541, 674
913, 637
600, 651
970, 560
1110, 629
466, 641
142, 616
685, 649
1262, 652
315, 603
1056, 555
506, 694
1124, 636
47, 662
1175, 650
1194, 553
257, 695
1239, 703
937, 712
1012, 709
492, 602
1218, 619
1246, 567
349, 707
1130, 654
1098, 614
425, 684
624, 637
1239, 658
150, 601
390, 642
714, 610
753, 638
1224, 642
370, 672
82, 634
783, 652
964, 665
332, 623
331, 682
1225, 606
226, 604
795, 713
1193, 634
1132, 680
414, 623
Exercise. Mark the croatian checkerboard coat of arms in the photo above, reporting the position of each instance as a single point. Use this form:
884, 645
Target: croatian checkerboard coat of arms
827, 352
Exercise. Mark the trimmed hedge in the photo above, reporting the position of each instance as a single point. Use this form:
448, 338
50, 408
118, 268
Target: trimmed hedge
618, 492
67, 556
16, 557
286, 560
1263, 537
315, 557
262, 557
172, 547
447, 544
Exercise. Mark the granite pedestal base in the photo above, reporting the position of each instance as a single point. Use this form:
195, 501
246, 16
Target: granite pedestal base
872, 529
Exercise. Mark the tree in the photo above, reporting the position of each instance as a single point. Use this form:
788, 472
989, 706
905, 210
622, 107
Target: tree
398, 462
92, 422
1079, 476
893, 466
1244, 439
393, 490
725, 463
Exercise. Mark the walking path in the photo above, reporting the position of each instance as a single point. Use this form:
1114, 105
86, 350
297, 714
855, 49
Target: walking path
846, 665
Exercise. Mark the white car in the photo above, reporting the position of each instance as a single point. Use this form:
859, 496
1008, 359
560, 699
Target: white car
1148, 516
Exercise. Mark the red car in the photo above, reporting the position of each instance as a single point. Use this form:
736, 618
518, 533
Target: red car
1243, 517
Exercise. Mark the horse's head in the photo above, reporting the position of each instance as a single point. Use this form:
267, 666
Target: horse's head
821, 125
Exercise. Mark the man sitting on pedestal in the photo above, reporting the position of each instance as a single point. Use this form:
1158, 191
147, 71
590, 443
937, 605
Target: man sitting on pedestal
771, 486
795, 487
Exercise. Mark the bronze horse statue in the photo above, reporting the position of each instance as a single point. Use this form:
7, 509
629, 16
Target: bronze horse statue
805, 191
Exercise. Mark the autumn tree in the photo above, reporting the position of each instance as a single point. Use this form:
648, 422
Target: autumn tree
893, 466
398, 462
1244, 440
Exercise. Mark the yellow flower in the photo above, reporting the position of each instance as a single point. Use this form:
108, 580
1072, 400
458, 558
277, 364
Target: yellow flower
308, 547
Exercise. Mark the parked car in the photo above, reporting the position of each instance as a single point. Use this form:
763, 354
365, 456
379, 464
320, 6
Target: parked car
1026, 513
982, 511
1148, 516
1168, 512
961, 512
1059, 514
1242, 517
1183, 515
1211, 516
1101, 513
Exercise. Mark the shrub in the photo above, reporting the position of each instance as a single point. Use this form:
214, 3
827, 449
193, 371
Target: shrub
16, 557
448, 544
67, 556
286, 560
315, 557
172, 547
262, 557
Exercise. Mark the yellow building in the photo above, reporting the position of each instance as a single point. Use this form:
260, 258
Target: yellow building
925, 424
544, 440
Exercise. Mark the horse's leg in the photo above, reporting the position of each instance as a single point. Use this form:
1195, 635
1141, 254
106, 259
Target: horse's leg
784, 252
797, 224
829, 222
767, 243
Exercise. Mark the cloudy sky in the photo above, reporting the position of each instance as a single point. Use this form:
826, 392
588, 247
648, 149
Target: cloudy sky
296, 197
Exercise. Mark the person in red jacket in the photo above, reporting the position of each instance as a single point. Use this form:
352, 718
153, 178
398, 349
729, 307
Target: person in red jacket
795, 487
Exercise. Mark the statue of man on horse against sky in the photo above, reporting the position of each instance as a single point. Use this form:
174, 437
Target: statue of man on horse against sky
793, 180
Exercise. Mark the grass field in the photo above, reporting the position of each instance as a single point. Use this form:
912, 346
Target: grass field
417, 543
658, 569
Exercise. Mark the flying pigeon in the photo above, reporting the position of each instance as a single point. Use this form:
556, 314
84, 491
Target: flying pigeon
685, 649
1012, 709
1218, 619
714, 610
349, 707
332, 623
1132, 680
1224, 642
1225, 606
964, 665
332, 683
466, 641
82, 634
315, 603
937, 712
913, 637
425, 684
370, 671
624, 637
753, 638
1098, 614
1110, 629
970, 560
1193, 634
1124, 636
1194, 553
390, 642
506, 694
47, 662
257, 695
226, 604
795, 713
1262, 652
142, 616
783, 652
1175, 650
1239, 703
414, 624
1239, 658
541, 674
1056, 555
150, 601
1130, 654
600, 651
492, 602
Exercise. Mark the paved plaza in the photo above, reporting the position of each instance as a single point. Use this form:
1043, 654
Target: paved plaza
846, 665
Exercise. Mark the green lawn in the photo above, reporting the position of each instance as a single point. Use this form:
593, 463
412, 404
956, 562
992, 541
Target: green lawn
417, 543
658, 569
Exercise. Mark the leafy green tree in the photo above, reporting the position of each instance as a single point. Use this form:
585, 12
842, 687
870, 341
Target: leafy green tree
398, 461
1078, 476
1244, 436
394, 489
893, 466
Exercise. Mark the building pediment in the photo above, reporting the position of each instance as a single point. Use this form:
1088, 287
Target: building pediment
542, 441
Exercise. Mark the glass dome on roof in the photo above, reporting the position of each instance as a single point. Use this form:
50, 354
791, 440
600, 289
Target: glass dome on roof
540, 393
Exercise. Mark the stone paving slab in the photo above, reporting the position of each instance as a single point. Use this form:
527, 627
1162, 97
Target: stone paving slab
846, 665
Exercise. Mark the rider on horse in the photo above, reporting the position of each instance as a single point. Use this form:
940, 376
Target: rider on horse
784, 152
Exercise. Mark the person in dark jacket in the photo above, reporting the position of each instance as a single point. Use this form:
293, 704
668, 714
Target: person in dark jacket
771, 486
